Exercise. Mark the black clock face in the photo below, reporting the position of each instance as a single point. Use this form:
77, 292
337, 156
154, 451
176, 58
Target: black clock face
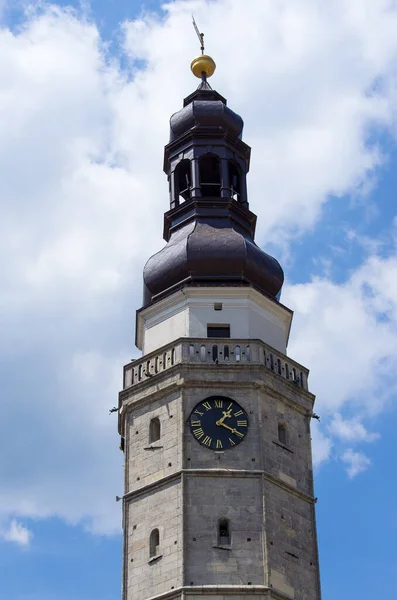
219, 423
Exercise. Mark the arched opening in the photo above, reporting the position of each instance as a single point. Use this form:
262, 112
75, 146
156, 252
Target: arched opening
237, 353
223, 532
210, 175
154, 430
234, 179
282, 433
154, 543
182, 180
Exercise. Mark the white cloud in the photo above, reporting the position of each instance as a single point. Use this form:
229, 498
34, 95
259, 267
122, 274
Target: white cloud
350, 430
321, 445
83, 198
17, 533
346, 333
356, 462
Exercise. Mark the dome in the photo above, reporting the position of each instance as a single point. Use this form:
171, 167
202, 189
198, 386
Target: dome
211, 251
205, 108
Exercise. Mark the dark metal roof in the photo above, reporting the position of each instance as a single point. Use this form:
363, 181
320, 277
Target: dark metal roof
210, 240
211, 244
205, 108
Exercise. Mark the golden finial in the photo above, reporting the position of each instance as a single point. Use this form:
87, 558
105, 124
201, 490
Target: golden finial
203, 66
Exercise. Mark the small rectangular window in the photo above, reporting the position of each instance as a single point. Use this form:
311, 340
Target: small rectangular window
218, 331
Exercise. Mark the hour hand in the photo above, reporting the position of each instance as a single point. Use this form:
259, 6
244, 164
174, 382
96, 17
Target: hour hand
226, 415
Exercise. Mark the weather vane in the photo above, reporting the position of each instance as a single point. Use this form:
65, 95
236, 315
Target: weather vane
203, 66
199, 35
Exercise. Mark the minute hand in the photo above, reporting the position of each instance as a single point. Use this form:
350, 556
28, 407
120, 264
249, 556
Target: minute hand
227, 426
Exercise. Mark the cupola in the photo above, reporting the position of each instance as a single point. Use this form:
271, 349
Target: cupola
209, 228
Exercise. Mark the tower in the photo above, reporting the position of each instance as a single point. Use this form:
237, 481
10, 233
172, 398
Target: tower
214, 417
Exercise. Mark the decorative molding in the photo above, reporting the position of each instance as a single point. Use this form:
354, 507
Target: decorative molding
222, 590
241, 473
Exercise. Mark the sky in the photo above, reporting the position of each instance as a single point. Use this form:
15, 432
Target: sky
86, 92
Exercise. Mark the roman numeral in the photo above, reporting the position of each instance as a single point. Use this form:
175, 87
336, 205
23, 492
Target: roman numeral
218, 403
238, 413
231, 442
241, 435
207, 405
197, 412
219, 444
207, 441
198, 433
242, 423
196, 423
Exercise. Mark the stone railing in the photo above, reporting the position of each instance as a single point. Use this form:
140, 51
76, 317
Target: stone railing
218, 351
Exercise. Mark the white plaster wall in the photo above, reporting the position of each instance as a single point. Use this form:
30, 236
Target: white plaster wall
159, 332
187, 314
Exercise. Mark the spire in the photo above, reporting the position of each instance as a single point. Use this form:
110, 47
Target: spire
209, 228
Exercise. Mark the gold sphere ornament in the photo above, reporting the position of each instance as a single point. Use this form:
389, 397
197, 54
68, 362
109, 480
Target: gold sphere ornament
203, 64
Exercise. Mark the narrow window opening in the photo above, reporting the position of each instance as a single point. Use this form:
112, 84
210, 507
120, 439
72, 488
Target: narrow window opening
210, 176
173, 356
286, 371
224, 532
154, 543
279, 366
154, 430
191, 351
248, 353
164, 361
237, 353
234, 179
183, 181
156, 365
226, 353
218, 331
140, 372
282, 433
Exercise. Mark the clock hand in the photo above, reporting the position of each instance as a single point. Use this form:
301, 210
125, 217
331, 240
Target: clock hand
227, 427
226, 415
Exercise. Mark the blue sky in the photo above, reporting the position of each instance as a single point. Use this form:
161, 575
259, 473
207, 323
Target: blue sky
86, 92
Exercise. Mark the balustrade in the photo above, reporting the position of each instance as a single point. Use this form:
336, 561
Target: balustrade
226, 351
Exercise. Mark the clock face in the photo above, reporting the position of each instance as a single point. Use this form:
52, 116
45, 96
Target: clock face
218, 423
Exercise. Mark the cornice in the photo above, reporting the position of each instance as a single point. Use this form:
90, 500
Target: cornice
182, 383
222, 590
227, 473
216, 590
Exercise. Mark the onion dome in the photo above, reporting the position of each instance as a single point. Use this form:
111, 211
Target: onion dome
205, 108
211, 245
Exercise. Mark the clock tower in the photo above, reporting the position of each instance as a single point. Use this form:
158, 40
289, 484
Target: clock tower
214, 417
